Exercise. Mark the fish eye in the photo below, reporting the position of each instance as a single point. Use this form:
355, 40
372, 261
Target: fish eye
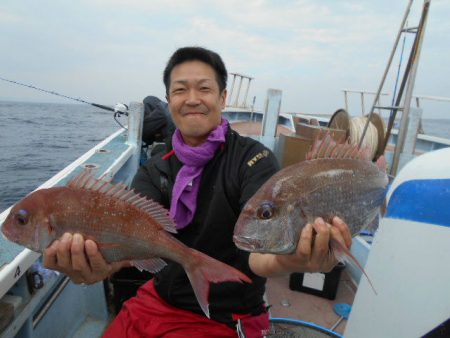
22, 217
265, 211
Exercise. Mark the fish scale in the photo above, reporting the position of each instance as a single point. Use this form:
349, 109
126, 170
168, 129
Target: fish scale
124, 225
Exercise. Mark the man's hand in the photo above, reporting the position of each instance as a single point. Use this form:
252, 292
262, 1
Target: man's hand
312, 253
79, 259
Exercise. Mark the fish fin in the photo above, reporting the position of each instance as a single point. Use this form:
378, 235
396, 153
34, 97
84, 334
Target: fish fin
203, 270
159, 213
312, 154
344, 255
150, 265
325, 143
326, 147
381, 163
86, 180
80, 179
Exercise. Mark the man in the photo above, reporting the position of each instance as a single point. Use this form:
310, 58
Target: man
205, 179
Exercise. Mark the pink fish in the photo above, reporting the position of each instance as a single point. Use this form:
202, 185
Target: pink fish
335, 180
125, 226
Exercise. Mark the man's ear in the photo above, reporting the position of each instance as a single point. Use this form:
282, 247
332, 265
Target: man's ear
224, 98
167, 98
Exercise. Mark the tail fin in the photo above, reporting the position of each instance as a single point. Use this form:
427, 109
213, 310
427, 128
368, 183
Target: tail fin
203, 270
342, 254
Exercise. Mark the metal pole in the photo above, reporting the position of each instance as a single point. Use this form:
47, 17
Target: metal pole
238, 92
408, 8
346, 101
232, 88
271, 112
362, 103
253, 108
379, 105
408, 95
246, 92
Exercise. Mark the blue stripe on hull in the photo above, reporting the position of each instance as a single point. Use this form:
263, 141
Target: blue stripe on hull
426, 201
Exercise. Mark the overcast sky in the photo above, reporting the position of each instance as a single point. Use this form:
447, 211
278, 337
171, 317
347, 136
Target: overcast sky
108, 51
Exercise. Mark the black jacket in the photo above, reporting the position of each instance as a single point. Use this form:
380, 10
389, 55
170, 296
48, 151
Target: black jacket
228, 181
157, 124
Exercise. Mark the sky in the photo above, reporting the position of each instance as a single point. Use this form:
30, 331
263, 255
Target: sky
109, 51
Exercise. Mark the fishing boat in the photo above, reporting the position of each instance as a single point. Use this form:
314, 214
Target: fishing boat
33, 297
411, 299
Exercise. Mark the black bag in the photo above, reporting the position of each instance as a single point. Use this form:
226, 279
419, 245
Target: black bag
157, 121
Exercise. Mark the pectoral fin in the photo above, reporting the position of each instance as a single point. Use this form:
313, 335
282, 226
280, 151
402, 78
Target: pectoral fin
342, 254
150, 265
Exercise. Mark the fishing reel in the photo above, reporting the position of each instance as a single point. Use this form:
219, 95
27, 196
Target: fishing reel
120, 109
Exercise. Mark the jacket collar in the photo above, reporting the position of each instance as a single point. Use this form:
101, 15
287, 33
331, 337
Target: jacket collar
167, 159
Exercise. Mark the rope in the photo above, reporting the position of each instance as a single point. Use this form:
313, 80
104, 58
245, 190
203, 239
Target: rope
356, 129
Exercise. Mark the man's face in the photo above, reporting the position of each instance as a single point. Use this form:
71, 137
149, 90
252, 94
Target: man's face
195, 100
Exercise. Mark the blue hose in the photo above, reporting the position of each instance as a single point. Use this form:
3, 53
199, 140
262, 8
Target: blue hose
298, 322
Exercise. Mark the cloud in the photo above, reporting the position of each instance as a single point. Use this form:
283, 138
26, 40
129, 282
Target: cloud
8, 17
117, 49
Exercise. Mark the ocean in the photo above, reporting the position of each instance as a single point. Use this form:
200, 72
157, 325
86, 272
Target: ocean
37, 140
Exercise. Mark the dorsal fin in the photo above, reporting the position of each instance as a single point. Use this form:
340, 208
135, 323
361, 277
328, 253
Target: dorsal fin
86, 180
381, 163
326, 147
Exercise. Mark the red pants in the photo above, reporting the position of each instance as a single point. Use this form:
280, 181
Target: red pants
149, 316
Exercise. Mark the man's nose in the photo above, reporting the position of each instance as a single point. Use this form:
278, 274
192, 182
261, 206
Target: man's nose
193, 98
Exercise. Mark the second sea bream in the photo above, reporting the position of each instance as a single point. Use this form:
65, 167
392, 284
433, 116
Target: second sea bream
335, 180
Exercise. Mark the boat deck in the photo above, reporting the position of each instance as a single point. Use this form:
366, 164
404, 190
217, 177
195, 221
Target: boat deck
287, 303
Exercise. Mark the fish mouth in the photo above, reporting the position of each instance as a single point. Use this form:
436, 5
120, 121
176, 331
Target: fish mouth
247, 243
4, 236
257, 245
5, 233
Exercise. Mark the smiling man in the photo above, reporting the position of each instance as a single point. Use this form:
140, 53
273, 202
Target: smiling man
205, 177
196, 100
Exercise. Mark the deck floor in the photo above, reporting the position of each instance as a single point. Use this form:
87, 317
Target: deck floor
287, 303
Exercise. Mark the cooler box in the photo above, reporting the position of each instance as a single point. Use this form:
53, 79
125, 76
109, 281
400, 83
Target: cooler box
319, 284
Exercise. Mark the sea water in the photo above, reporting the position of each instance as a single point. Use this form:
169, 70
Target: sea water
37, 140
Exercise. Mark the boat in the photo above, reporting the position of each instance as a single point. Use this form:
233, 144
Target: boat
38, 295
412, 297
244, 118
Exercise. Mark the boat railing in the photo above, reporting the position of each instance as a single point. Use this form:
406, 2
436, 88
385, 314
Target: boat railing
234, 95
117, 158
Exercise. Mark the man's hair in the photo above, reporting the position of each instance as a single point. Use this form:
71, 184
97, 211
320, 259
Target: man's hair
197, 54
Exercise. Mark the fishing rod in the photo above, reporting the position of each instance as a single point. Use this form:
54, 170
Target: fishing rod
119, 109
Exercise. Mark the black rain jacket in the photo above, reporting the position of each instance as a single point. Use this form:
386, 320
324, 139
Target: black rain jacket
235, 173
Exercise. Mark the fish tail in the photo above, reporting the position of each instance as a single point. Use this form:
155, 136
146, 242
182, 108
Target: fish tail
203, 270
342, 254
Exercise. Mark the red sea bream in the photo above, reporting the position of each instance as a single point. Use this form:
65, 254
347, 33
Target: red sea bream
124, 225
335, 180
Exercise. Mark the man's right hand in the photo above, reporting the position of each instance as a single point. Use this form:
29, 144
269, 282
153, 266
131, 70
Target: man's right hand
79, 259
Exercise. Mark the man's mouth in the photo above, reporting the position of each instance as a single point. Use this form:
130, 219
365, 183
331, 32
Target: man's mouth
193, 113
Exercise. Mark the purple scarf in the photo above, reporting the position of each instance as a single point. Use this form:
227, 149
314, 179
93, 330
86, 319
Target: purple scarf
187, 182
